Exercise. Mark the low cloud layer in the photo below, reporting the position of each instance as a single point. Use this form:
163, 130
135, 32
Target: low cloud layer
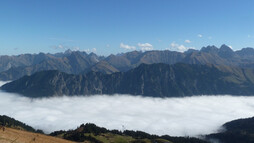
189, 116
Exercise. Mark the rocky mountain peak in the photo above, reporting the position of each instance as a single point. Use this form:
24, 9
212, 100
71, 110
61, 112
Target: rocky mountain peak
225, 48
246, 52
210, 49
69, 51
226, 52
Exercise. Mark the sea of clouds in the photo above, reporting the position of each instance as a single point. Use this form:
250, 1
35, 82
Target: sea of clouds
188, 116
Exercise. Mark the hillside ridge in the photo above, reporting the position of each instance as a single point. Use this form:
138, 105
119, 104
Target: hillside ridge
154, 80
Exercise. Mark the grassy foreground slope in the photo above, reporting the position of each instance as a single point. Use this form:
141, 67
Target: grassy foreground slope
9, 135
13, 131
12, 123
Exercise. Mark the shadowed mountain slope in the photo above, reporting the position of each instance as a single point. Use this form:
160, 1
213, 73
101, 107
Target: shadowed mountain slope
237, 131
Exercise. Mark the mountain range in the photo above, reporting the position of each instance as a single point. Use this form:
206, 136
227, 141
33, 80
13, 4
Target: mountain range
209, 71
154, 80
77, 62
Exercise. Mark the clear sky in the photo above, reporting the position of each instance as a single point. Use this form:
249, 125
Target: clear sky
115, 26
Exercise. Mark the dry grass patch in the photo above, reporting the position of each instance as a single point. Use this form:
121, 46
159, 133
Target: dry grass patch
8, 135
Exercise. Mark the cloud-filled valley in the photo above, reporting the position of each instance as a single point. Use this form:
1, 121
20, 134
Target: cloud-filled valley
188, 116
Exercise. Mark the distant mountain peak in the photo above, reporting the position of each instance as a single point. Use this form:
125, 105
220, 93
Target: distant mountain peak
248, 49
190, 51
246, 52
75, 53
210, 49
93, 57
226, 52
69, 51
92, 54
225, 48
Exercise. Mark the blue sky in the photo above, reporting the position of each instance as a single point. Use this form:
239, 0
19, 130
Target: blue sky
115, 26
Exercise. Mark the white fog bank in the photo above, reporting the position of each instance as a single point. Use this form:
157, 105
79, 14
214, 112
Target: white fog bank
189, 116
